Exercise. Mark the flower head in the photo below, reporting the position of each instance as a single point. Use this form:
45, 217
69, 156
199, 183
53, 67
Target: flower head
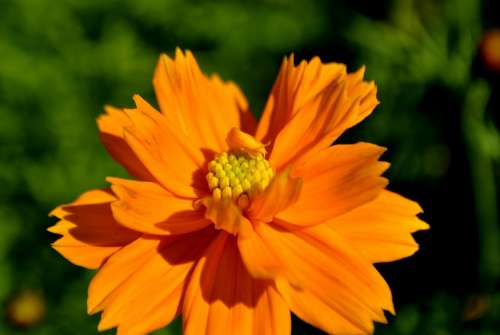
233, 224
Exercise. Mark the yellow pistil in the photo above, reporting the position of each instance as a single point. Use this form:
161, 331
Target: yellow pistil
238, 175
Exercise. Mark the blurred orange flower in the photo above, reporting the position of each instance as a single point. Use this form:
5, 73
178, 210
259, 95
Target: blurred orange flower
234, 224
490, 49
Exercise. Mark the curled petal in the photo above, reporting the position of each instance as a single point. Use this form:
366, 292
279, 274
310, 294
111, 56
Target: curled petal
226, 215
283, 192
240, 141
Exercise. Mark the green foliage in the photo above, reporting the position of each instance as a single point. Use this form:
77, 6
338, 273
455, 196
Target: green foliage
422, 45
445, 315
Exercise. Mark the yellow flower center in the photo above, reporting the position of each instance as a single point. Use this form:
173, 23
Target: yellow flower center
237, 175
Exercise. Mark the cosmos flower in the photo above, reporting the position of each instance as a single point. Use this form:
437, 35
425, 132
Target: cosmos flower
234, 224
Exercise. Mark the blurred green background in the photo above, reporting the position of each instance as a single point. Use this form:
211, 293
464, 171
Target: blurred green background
61, 61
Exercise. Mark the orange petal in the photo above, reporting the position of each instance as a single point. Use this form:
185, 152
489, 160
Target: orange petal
238, 140
204, 109
148, 208
89, 232
312, 104
336, 180
333, 318
170, 158
140, 288
320, 276
294, 88
279, 195
381, 229
111, 126
226, 215
222, 298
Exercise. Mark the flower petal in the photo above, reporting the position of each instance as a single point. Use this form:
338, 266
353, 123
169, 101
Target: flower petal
222, 298
295, 87
89, 232
111, 127
226, 215
321, 277
140, 288
333, 318
279, 195
381, 229
169, 156
311, 105
204, 109
148, 208
336, 180
239, 140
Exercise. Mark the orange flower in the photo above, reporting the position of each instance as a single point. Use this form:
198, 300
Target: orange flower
233, 225
490, 49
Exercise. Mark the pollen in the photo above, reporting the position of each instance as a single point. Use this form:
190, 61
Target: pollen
238, 175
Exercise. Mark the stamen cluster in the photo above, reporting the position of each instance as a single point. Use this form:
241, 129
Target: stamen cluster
232, 174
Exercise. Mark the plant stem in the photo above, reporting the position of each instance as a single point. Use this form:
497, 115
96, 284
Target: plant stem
483, 183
